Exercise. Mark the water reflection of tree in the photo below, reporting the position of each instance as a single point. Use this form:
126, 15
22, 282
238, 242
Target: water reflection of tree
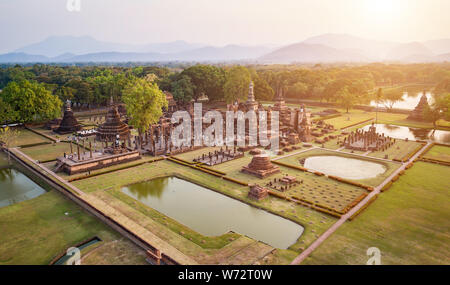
420, 133
391, 127
153, 188
7, 175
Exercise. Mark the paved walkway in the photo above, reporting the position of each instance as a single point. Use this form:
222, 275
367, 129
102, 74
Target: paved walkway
345, 217
118, 217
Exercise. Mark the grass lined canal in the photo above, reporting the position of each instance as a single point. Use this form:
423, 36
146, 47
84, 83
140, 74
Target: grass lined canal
211, 213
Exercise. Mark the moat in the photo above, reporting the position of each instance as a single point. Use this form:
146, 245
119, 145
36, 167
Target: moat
211, 213
402, 132
16, 187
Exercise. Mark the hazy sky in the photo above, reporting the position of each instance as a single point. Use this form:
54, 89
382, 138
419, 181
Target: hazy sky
221, 22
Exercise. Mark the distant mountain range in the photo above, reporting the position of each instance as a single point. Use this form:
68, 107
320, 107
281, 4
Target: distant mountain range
325, 48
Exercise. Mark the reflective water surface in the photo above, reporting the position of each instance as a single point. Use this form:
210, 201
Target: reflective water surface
409, 102
402, 132
349, 168
211, 213
17, 187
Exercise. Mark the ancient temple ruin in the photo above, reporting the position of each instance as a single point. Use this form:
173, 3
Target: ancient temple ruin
261, 166
69, 123
113, 131
257, 192
417, 113
367, 140
219, 156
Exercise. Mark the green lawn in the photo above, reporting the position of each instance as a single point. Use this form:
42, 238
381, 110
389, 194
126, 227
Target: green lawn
399, 150
409, 223
438, 152
50, 151
27, 137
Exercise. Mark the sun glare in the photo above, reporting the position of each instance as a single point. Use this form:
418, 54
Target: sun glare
383, 7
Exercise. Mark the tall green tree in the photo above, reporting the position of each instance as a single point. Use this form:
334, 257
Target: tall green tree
7, 114
8, 137
183, 89
236, 85
31, 101
440, 109
346, 99
206, 79
144, 102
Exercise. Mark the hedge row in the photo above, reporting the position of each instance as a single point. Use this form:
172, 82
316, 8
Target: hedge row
305, 203
326, 117
235, 181
409, 165
411, 154
182, 160
368, 188
355, 202
363, 207
355, 124
436, 161
34, 144
387, 186
395, 178
290, 166
212, 170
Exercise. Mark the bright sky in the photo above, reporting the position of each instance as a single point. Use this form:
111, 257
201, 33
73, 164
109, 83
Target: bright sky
221, 22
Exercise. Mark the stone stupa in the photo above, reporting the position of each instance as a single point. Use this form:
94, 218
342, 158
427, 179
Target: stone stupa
261, 166
417, 113
69, 123
113, 128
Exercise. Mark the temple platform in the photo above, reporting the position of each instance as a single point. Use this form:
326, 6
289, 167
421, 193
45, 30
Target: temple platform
72, 165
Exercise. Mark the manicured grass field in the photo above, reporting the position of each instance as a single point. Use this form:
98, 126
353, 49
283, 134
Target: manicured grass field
438, 152
50, 151
390, 166
409, 223
315, 189
203, 249
347, 119
27, 137
399, 150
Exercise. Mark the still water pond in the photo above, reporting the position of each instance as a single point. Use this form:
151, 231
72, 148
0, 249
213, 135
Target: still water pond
17, 187
409, 102
211, 213
402, 132
349, 168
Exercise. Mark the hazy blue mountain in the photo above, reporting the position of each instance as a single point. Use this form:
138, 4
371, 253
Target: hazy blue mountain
370, 48
322, 48
441, 46
406, 50
20, 57
309, 53
57, 45
229, 52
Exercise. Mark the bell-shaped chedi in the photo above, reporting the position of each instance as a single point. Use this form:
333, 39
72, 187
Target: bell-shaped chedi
69, 123
261, 166
113, 128
417, 113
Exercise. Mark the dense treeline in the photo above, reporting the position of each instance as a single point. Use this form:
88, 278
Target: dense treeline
91, 86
